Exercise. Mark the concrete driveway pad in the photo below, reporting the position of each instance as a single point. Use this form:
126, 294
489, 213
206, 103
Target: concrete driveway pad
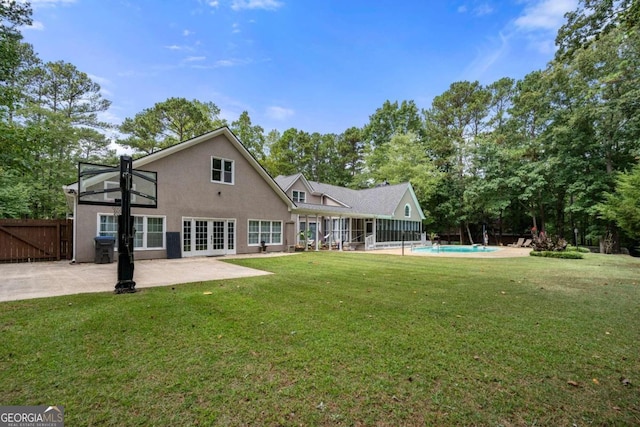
46, 279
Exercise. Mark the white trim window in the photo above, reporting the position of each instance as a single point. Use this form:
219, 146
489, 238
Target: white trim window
407, 211
108, 226
299, 196
149, 229
269, 232
222, 170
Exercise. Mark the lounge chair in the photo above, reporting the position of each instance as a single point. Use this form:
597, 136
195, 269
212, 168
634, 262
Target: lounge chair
527, 243
518, 244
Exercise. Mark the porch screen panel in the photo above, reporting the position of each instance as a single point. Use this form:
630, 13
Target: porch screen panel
391, 230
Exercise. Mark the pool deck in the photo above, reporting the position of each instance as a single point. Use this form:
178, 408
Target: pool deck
502, 252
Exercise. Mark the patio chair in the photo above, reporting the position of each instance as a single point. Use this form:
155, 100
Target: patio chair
518, 244
527, 243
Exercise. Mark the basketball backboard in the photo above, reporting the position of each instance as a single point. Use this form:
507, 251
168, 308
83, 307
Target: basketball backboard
100, 185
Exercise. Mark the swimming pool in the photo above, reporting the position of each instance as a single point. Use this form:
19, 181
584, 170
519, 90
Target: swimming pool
453, 249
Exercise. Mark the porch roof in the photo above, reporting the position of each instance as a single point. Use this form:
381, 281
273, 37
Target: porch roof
377, 202
335, 211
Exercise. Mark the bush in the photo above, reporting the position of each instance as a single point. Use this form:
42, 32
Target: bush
578, 249
542, 242
557, 254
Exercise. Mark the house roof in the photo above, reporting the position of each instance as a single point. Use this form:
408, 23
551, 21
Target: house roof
285, 182
379, 202
139, 163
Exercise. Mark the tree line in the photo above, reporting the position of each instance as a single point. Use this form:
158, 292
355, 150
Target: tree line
553, 151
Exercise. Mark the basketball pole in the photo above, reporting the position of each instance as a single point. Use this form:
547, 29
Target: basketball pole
126, 231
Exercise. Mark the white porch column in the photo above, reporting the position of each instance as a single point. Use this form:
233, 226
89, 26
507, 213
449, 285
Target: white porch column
306, 233
375, 234
317, 230
330, 232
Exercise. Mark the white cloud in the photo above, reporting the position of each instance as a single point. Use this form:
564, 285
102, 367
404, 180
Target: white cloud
279, 113
109, 117
235, 28
547, 15
178, 47
187, 33
483, 9
221, 63
532, 32
540, 21
486, 58
195, 58
477, 10
35, 25
100, 80
256, 4
231, 62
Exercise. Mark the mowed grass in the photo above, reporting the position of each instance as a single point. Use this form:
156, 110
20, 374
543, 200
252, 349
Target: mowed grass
342, 339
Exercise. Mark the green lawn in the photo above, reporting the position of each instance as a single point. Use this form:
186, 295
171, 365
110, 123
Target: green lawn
342, 339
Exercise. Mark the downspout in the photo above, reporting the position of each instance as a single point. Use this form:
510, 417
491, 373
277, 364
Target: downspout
73, 194
75, 227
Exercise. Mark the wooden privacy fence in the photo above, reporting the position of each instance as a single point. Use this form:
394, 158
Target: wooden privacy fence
26, 240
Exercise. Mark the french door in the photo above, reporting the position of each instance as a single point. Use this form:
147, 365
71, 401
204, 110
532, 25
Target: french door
208, 236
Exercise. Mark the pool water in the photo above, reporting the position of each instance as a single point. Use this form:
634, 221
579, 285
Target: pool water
453, 249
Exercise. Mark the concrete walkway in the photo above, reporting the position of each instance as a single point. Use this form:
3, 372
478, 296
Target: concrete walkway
46, 279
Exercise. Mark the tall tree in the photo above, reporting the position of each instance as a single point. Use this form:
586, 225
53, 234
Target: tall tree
453, 123
13, 14
623, 205
169, 122
408, 161
529, 120
285, 153
62, 88
93, 146
593, 19
389, 120
252, 136
350, 156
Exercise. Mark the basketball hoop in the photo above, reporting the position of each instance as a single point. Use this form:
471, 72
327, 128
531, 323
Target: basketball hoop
117, 208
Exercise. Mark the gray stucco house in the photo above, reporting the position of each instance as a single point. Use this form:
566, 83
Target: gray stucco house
219, 200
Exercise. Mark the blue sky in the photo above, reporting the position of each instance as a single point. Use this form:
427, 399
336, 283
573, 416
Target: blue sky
316, 65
